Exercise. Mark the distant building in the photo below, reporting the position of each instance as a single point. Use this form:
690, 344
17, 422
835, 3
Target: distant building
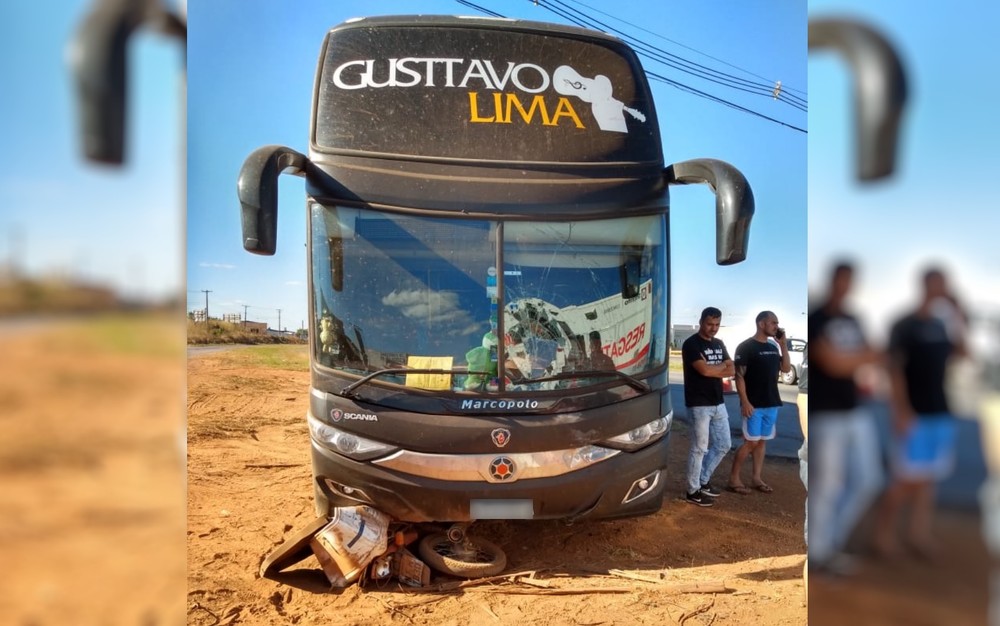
232, 318
680, 333
255, 328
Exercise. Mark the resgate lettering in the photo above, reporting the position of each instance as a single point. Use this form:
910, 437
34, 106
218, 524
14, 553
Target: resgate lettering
626, 344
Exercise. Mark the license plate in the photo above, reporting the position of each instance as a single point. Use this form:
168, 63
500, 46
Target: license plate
502, 509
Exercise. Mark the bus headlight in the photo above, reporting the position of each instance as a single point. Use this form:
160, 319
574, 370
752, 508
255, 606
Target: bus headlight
348, 444
587, 455
643, 435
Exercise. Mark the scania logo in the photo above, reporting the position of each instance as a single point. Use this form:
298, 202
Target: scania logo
502, 469
500, 436
337, 415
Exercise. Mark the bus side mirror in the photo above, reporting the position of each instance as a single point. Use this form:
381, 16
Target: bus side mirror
258, 192
734, 204
98, 59
879, 90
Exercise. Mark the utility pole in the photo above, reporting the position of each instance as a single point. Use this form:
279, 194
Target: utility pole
206, 305
279, 320
18, 256
245, 316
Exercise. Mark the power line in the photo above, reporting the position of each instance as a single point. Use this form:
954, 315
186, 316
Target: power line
702, 94
479, 8
771, 91
676, 62
768, 87
677, 43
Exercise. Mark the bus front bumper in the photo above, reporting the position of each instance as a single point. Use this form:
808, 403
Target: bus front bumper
627, 484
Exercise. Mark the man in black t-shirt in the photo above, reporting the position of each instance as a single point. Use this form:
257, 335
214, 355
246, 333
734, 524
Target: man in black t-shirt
706, 363
758, 361
920, 347
845, 441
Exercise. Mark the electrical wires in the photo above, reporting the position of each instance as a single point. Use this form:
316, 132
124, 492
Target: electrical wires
775, 91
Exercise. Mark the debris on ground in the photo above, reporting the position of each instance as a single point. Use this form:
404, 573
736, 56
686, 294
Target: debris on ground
359, 539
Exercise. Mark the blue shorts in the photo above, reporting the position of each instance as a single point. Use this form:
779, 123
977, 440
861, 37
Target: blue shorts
927, 450
761, 424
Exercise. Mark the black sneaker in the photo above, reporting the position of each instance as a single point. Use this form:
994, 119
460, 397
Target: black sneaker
710, 491
698, 499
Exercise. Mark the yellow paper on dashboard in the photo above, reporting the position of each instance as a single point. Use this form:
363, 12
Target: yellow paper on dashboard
434, 382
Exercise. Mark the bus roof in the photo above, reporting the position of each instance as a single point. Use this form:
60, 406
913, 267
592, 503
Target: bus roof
526, 102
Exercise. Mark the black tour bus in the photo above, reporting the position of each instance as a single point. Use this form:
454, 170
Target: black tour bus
488, 246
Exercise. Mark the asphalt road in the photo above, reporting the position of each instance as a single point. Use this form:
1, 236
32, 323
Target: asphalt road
959, 490
787, 440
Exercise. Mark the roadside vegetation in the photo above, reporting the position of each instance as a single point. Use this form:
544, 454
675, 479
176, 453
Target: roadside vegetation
219, 332
289, 357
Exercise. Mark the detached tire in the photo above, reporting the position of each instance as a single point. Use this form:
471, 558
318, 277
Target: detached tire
473, 558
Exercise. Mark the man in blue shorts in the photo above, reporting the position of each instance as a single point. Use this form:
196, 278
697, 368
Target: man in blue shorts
758, 361
920, 347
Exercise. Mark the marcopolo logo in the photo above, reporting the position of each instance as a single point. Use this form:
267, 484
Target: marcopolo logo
503, 105
501, 404
338, 415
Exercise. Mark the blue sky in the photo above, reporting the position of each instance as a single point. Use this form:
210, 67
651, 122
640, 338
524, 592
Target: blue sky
251, 72
118, 226
938, 206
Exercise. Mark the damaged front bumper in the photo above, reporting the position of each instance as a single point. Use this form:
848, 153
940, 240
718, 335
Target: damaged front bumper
469, 487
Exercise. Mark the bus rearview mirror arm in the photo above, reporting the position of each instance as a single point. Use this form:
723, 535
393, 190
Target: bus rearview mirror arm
734, 203
879, 89
257, 188
98, 58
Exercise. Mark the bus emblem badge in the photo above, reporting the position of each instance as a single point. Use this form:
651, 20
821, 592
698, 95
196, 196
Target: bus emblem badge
500, 436
502, 469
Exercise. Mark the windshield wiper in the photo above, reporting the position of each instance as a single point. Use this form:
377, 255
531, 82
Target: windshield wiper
348, 391
632, 381
641, 385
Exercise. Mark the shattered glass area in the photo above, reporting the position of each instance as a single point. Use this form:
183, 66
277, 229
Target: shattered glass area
397, 292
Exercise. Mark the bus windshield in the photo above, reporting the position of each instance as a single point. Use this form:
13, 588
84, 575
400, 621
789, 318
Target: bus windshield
397, 292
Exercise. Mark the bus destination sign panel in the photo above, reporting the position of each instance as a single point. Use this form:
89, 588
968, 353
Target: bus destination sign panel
460, 92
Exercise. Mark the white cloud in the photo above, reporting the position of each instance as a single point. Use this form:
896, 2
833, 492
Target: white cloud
429, 305
218, 266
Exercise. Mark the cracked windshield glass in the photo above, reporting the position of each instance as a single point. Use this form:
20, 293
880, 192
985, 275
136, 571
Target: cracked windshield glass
396, 292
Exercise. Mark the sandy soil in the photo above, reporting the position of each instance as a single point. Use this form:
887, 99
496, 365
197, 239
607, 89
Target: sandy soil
91, 462
249, 486
908, 590
92, 527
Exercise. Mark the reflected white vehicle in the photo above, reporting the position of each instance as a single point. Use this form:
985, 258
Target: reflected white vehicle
796, 347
